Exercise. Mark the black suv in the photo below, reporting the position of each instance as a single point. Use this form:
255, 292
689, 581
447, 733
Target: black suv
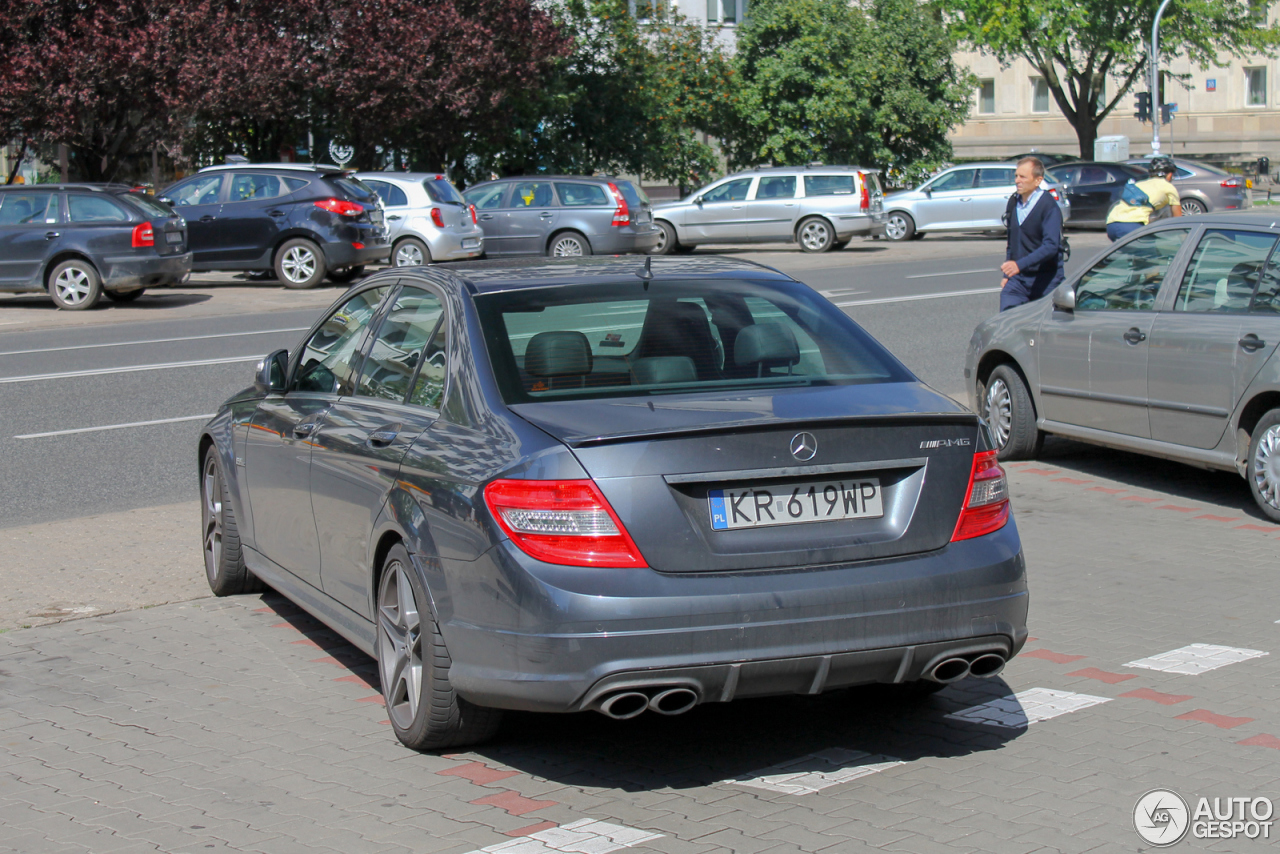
298, 220
77, 241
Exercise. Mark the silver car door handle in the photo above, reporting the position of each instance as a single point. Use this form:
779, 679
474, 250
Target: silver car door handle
394, 216
545, 215
486, 216
1252, 342
382, 437
969, 199
305, 429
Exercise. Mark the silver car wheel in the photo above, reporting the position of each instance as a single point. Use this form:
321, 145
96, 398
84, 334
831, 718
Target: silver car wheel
567, 247
212, 489
408, 255
73, 285
1266, 466
661, 247
299, 264
815, 235
895, 227
400, 646
999, 412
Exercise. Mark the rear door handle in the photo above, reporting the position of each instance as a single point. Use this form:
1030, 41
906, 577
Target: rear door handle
1252, 342
486, 216
52, 235
546, 215
383, 436
394, 216
275, 213
305, 429
1135, 335
208, 218
969, 199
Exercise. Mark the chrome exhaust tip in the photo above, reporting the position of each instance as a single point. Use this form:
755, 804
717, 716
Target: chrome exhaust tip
673, 701
986, 666
625, 705
950, 670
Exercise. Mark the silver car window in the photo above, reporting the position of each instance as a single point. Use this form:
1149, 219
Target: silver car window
1224, 271
331, 356
777, 187
1129, 278
486, 198
827, 185
958, 179
532, 194
995, 178
396, 351
1267, 298
582, 195
733, 191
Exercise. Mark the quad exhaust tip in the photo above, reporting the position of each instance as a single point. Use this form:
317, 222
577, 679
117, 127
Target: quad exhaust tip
624, 705
673, 701
983, 666
949, 670
986, 666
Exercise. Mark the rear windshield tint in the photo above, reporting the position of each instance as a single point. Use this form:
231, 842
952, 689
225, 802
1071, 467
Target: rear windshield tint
149, 206
828, 185
440, 190
634, 195
619, 340
354, 187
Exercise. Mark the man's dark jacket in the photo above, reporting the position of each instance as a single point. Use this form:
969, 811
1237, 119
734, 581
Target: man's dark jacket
1035, 243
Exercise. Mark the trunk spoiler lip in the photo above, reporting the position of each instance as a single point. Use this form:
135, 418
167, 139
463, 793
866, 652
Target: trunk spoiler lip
794, 471
756, 424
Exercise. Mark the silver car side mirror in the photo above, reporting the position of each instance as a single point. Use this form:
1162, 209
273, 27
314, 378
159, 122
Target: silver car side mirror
1064, 297
697, 200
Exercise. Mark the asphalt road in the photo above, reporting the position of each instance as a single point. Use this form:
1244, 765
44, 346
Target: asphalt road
152, 371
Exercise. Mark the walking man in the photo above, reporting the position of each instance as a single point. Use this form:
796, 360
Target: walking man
1032, 264
1151, 195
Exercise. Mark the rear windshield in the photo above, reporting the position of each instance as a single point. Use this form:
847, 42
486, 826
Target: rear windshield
354, 187
634, 195
440, 190
619, 340
149, 206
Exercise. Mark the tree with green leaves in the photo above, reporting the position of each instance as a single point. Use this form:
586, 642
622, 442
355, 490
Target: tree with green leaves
871, 84
1078, 45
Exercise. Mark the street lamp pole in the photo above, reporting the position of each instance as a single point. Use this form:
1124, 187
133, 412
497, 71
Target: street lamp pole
1157, 105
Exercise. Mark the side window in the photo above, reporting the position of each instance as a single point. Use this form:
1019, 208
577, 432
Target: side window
1094, 175
734, 191
582, 195
379, 187
331, 356
95, 209
428, 388
395, 197
293, 185
1267, 298
201, 191
28, 208
828, 185
486, 198
1063, 174
1130, 277
532, 194
777, 187
960, 179
254, 187
1224, 271
995, 177
398, 348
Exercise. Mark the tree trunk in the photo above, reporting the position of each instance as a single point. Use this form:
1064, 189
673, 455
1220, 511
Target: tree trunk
1086, 135
17, 163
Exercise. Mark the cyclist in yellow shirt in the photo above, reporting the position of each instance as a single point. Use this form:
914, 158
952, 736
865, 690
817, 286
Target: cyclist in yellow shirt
1126, 217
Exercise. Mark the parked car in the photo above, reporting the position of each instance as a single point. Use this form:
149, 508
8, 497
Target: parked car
818, 207
301, 222
563, 216
1093, 187
79, 241
1165, 345
1205, 188
1047, 158
540, 486
427, 218
968, 197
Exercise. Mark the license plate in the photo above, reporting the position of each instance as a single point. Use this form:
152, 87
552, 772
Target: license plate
376, 217
470, 242
173, 236
821, 501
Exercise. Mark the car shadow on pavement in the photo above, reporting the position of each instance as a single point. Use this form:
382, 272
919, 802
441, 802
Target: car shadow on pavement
150, 301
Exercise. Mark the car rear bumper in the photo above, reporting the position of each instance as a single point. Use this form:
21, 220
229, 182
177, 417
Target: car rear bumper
568, 636
859, 224
625, 240
344, 254
130, 272
455, 246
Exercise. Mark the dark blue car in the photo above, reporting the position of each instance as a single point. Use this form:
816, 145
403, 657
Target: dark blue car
594, 485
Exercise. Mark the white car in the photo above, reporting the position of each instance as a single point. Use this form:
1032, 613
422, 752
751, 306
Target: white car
968, 197
427, 218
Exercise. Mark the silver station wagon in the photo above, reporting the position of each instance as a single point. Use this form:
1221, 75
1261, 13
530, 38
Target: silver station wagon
1164, 345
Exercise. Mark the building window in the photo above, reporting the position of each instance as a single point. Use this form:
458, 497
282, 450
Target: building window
723, 11
646, 10
1256, 87
1039, 95
986, 97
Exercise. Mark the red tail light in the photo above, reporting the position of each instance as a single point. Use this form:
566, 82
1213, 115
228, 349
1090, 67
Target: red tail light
621, 214
341, 207
1232, 183
437, 217
986, 507
1053, 191
143, 235
357, 245
474, 219
566, 522
866, 192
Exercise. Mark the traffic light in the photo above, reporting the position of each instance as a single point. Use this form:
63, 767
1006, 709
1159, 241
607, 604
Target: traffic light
1144, 107
1166, 113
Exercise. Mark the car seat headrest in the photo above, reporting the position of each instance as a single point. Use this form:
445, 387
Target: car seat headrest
558, 354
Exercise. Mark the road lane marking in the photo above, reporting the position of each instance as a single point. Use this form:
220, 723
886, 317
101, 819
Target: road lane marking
105, 427
974, 292
1020, 710
1196, 659
929, 275
817, 771
152, 341
31, 378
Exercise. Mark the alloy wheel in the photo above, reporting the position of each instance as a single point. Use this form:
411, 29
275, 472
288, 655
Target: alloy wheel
815, 235
999, 412
299, 264
73, 286
567, 247
408, 255
399, 646
895, 227
211, 485
661, 248
1265, 468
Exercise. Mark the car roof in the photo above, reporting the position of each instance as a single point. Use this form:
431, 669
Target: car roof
810, 167
94, 187
601, 178
411, 177
1255, 217
982, 164
320, 168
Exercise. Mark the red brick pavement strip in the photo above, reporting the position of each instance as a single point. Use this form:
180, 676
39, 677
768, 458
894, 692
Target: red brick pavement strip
1055, 657
1208, 717
1266, 529
478, 773
533, 828
1043, 472
355, 678
514, 803
1141, 499
1177, 509
306, 642
1261, 740
1157, 697
1103, 675
1071, 480
376, 698
1213, 518
1106, 490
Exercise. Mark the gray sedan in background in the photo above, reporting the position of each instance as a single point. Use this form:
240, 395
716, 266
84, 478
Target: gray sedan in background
969, 197
1164, 345
427, 218
1205, 188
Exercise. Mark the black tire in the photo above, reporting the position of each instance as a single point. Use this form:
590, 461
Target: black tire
1193, 207
299, 264
839, 244
410, 252
408, 638
920, 235
1011, 414
1263, 467
220, 538
342, 275
899, 226
125, 296
568, 244
75, 285
668, 243
815, 234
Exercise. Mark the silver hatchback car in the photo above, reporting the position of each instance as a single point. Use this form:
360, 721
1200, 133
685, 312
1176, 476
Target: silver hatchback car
969, 197
818, 207
1165, 345
427, 218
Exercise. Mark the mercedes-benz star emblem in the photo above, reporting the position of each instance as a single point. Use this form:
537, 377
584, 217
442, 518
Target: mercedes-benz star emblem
803, 446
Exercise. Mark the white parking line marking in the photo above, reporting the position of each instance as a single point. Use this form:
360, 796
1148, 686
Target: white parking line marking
585, 835
31, 378
154, 341
1196, 659
817, 771
952, 273
115, 426
1020, 710
974, 292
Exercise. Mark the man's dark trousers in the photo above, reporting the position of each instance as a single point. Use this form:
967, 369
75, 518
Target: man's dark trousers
1035, 245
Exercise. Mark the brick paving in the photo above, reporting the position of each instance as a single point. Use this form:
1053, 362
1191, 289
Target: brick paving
243, 725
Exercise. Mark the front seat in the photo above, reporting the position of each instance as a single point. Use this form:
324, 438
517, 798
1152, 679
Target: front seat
673, 328
766, 345
559, 358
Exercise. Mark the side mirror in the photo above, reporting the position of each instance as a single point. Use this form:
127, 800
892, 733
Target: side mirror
271, 373
928, 191
1064, 297
168, 201
697, 200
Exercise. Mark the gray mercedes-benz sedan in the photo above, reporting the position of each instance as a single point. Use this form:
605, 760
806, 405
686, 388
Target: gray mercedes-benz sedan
1164, 345
614, 485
